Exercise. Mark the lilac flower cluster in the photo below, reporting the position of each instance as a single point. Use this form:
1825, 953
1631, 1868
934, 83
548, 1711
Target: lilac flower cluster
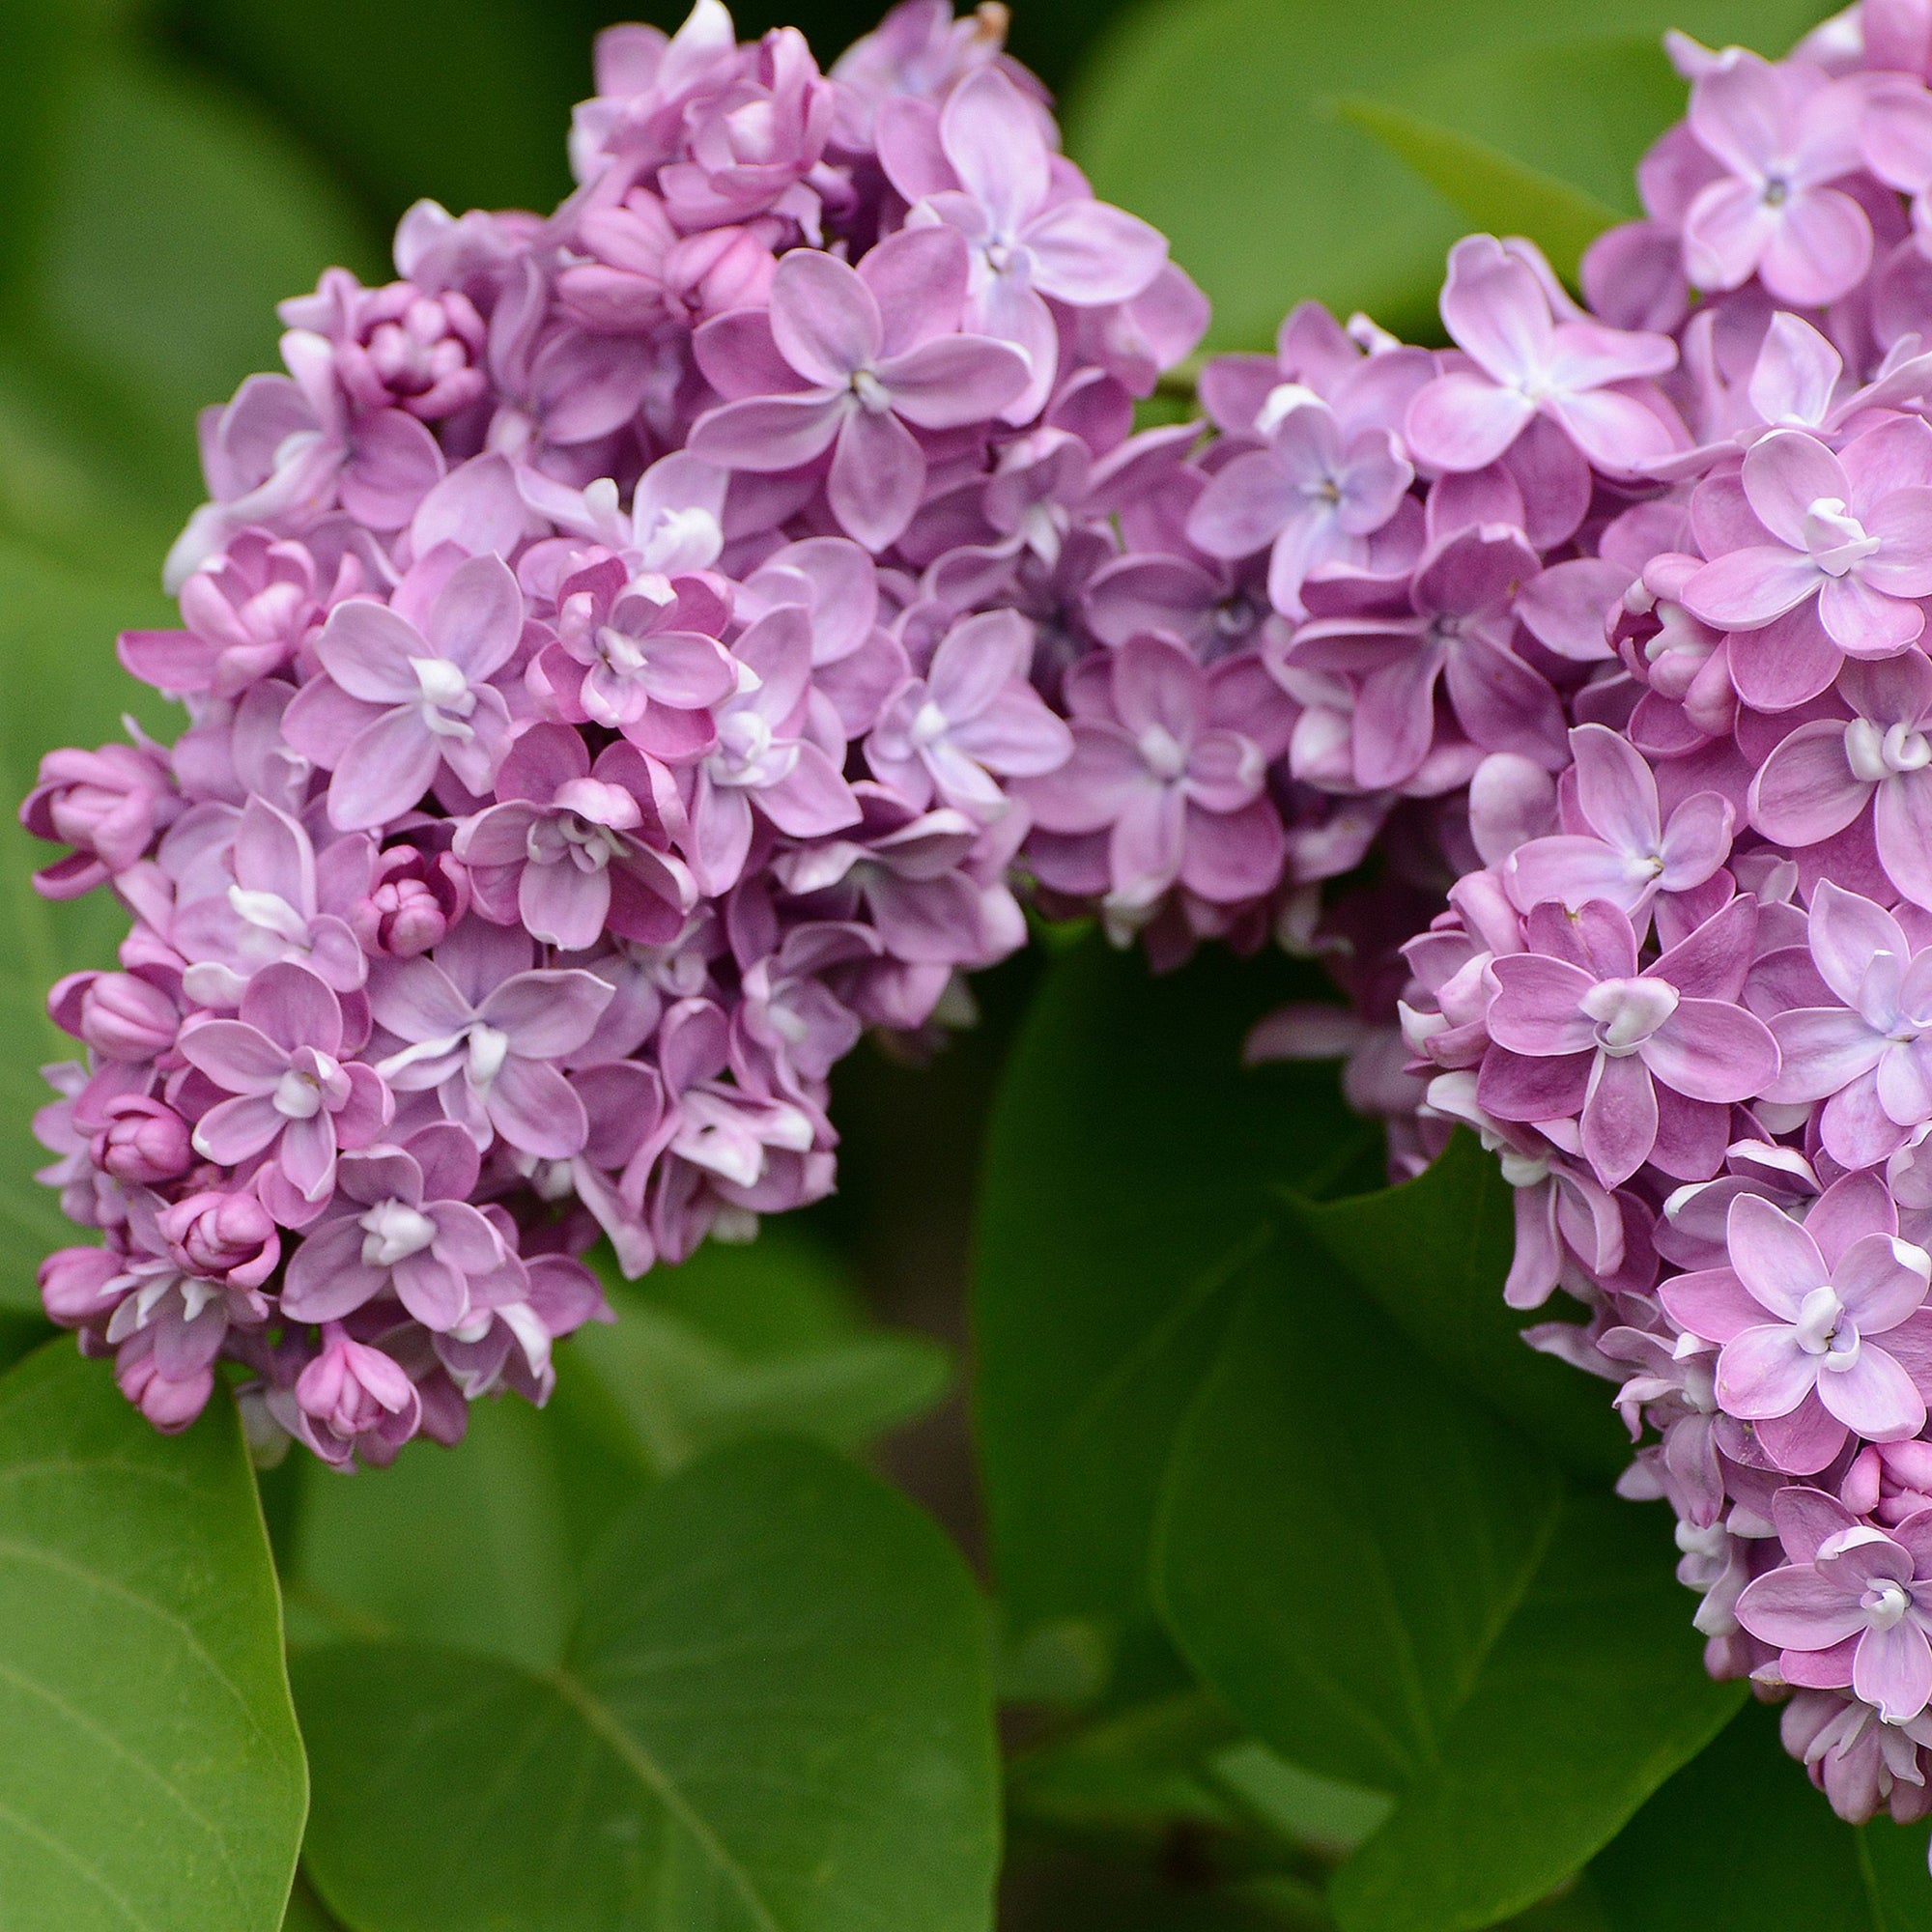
1632, 598
604, 703
1606, 625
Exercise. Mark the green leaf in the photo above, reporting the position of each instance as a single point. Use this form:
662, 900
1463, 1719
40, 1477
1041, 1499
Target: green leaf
151, 1775
1742, 1821
1499, 195
1893, 1862
468, 1547
486, 1548
682, 1393
1390, 1588
774, 1714
1214, 120
171, 292
1434, 1254
305, 1913
786, 1293
1137, 1774
1342, 1539
1125, 1182
1592, 1697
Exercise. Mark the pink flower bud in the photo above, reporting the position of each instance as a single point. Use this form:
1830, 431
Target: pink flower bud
108, 805
223, 1236
169, 1403
73, 1284
145, 1142
120, 1016
417, 896
351, 1390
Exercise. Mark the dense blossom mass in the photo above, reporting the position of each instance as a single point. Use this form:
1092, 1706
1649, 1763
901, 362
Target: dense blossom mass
642, 648
1610, 620
608, 674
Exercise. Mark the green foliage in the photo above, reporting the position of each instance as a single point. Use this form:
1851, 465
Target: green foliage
762, 1339
1742, 1821
150, 1770
773, 1714
1125, 1188
1432, 1254
1381, 1538
1343, 1541
1392, 1589
229, 209
486, 1548
1237, 127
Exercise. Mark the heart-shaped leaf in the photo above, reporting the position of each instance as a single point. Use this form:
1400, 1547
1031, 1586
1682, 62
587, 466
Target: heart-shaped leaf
776, 1710
151, 1773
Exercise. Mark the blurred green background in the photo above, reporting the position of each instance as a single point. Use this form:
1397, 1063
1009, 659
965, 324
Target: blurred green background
170, 168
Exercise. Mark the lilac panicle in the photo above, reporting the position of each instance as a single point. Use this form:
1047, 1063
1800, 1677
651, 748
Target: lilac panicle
1605, 627
614, 652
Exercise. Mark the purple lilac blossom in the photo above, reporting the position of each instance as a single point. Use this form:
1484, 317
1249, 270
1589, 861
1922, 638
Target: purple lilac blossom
613, 653
1606, 627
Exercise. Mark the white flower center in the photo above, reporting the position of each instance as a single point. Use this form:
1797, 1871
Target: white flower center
392, 1231
683, 540
618, 651
870, 392
1628, 1011
1822, 1330
296, 1096
488, 1048
1162, 752
928, 726
1886, 1604
1876, 754
1835, 539
446, 698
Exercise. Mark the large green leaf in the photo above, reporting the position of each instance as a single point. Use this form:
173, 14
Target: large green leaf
775, 1715
1391, 1588
151, 1775
470, 1547
1593, 1696
1126, 1185
171, 292
1217, 120
1741, 1827
1433, 1253
485, 1547
1344, 1540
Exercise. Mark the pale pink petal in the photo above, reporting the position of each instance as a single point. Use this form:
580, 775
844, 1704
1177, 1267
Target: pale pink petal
1764, 1372
1619, 1118
878, 475
1773, 1257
